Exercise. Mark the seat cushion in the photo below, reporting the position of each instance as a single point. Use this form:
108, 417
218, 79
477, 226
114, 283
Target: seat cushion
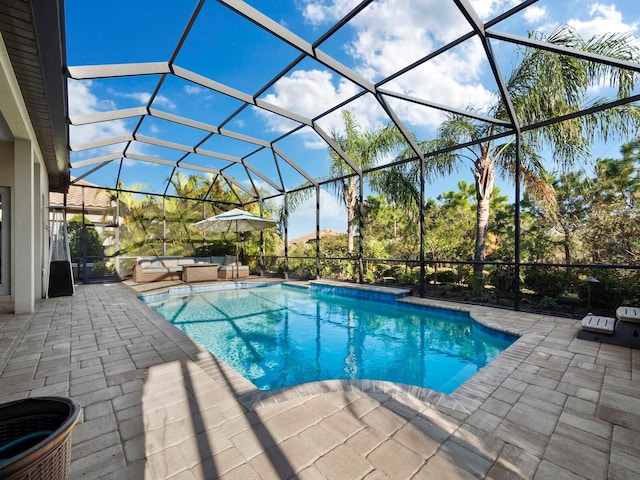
153, 263
187, 261
155, 270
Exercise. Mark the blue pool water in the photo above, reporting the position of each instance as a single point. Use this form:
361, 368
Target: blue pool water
278, 336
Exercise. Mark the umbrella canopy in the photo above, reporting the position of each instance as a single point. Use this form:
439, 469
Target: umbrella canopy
234, 221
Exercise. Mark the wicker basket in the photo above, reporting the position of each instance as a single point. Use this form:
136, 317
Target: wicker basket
35, 441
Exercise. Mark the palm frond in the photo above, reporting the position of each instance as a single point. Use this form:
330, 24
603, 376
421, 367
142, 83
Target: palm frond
399, 184
545, 85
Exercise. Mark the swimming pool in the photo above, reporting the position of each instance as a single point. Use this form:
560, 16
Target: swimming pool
277, 336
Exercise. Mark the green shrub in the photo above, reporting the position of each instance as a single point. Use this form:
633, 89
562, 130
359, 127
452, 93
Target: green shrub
126, 266
501, 278
548, 303
303, 268
548, 281
444, 290
370, 277
463, 273
339, 269
612, 289
487, 296
443, 275
476, 284
76, 231
215, 247
410, 276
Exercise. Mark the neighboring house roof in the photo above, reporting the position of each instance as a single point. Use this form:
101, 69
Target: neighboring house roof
33, 33
94, 200
311, 237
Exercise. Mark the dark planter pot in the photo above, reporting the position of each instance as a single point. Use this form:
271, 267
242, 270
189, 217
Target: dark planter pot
35, 440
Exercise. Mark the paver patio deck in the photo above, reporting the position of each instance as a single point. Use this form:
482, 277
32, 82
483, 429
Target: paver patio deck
157, 406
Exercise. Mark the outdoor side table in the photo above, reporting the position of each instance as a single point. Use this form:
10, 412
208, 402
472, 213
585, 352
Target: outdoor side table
200, 272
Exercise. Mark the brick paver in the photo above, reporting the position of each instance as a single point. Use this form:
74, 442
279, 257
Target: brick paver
155, 405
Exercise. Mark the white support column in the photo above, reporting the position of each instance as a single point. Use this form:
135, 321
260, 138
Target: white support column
23, 284
39, 212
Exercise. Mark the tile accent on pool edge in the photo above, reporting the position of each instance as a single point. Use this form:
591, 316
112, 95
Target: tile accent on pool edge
363, 292
196, 289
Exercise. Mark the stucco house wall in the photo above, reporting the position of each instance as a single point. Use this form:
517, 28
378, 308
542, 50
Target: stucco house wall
22, 170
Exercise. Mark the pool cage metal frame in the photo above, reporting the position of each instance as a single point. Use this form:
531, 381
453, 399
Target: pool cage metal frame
485, 32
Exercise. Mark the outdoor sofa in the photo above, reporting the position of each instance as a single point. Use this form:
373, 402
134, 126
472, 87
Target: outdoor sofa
153, 269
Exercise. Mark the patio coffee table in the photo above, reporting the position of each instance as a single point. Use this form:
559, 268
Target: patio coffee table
200, 272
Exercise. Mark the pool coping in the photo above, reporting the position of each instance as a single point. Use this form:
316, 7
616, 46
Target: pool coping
466, 399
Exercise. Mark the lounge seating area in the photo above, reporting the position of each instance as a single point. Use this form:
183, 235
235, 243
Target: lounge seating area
154, 269
623, 330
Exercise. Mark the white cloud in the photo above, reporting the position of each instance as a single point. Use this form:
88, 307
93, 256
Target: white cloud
309, 92
193, 90
165, 102
489, 8
452, 79
602, 19
394, 34
143, 98
388, 35
306, 93
259, 184
326, 11
534, 14
82, 102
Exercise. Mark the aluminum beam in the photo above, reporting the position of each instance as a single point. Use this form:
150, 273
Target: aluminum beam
107, 116
90, 72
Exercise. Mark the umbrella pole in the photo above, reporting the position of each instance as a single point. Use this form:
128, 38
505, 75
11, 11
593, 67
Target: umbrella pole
238, 253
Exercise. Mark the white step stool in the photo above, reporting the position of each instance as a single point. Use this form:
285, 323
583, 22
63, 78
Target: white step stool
595, 323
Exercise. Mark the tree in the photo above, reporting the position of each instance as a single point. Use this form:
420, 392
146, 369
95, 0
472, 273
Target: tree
612, 226
137, 219
364, 149
393, 234
543, 85
571, 209
537, 243
180, 213
80, 232
448, 226
596, 218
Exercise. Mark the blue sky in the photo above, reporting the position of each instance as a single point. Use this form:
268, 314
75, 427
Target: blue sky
385, 37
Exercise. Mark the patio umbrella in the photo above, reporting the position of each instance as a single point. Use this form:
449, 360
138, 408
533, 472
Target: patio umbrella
235, 220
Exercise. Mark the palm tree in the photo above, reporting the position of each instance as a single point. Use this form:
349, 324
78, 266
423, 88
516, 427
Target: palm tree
137, 228
181, 212
543, 85
132, 215
364, 149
